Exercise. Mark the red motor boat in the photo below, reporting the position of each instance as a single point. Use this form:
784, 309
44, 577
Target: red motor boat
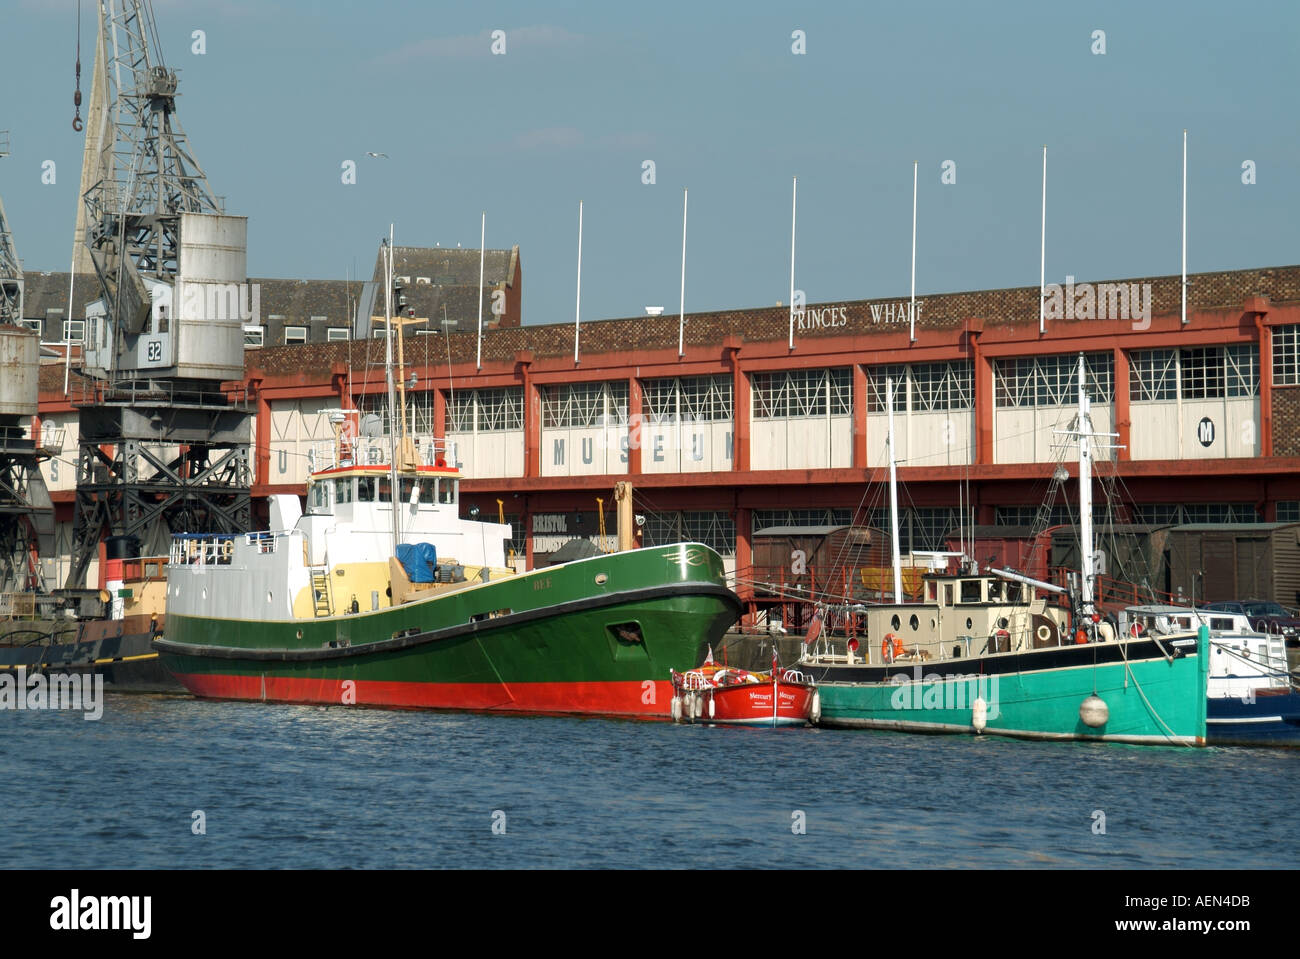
725, 694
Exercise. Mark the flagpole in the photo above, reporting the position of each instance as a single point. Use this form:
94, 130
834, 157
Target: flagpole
681, 315
577, 310
912, 308
1042, 258
482, 254
1184, 286
794, 202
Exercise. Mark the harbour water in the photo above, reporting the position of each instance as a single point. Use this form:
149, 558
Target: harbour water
171, 782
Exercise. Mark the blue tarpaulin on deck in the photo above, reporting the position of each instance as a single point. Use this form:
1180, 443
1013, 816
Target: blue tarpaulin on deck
419, 560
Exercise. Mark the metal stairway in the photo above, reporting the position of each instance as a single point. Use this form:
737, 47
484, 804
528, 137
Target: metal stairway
320, 590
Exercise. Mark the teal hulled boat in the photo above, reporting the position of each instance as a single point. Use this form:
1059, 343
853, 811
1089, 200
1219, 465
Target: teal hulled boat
1138, 691
983, 655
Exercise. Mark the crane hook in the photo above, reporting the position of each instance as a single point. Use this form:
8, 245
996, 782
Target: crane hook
76, 95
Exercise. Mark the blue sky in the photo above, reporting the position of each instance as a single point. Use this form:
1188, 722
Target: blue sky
712, 93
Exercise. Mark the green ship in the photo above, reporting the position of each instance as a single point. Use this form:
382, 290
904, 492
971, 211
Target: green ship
321, 611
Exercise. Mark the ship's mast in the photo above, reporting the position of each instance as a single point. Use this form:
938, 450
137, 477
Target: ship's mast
893, 497
1086, 544
392, 398
1087, 438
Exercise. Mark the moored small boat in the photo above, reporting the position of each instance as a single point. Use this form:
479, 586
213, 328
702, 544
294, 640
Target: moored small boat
1251, 699
715, 693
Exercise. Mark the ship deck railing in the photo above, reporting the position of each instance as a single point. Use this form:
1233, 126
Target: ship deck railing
218, 549
377, 451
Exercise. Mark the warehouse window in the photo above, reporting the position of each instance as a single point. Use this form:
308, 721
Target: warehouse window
1194, 373
691, 398
1058, 515
74, 331
1052, 380
765, 518
803, 393
1288, 511
1153, 375
419, 411
922, 528
879, 379
337, 333
1174, 514
713, 528
253, 336
930, 387
295, 334
487, 411
1286, 355
585, 404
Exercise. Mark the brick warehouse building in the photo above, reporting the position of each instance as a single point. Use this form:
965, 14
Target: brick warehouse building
741, 432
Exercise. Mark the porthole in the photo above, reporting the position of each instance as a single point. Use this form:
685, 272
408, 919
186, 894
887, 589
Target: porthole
970, 623
914, 623
896, 623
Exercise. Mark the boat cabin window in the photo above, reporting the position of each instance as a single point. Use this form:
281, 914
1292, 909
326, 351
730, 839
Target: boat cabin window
1012, 592
318, 499
931, 591
366, 489
385, 489
1222, 623
446, 490
970, 591
407, 486
995, 591
947, 594
343, 491
427, 491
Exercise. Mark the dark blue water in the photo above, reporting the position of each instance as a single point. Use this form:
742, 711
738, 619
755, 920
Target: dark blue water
310, 787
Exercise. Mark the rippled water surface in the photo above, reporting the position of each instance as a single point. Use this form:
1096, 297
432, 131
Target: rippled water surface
310, 787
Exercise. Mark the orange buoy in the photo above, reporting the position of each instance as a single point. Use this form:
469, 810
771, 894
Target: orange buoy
891, 647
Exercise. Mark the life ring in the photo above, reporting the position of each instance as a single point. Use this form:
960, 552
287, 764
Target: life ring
440, 462
891, 647
1044, 634
1135, 630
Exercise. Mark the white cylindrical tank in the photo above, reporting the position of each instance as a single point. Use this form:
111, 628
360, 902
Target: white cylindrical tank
20, 358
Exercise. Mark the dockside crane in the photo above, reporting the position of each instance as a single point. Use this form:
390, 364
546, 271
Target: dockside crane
26, 511
163, 447
11, 271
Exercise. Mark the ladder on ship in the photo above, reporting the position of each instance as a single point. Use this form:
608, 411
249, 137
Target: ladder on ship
320, 590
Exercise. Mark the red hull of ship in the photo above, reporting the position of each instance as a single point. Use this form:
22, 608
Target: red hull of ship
594, 698
752, 704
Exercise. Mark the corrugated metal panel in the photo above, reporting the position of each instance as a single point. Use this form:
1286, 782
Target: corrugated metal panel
20, 360
1285, 580
1219, 558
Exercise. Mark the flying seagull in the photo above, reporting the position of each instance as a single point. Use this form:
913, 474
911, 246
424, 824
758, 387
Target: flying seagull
381, 156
